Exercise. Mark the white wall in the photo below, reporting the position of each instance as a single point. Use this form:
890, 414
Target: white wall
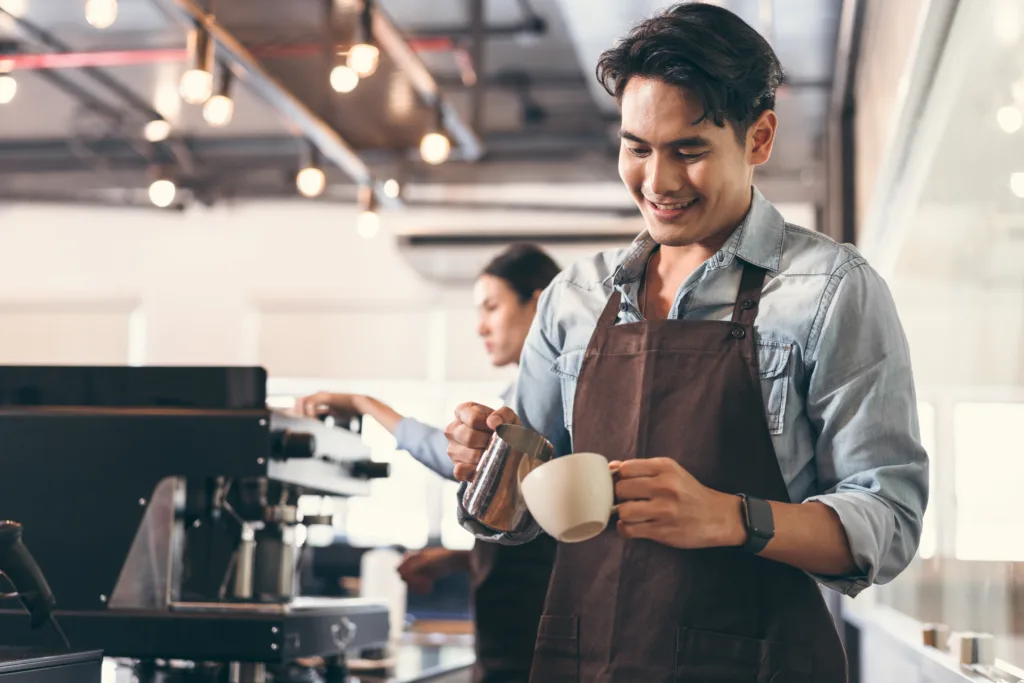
287, 285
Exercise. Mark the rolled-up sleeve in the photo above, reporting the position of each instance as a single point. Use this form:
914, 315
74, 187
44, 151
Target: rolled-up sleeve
538, 403
861, 401
428, 445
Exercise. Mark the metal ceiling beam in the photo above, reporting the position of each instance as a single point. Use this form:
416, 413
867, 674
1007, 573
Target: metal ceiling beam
391, 40
531, 26
303, 120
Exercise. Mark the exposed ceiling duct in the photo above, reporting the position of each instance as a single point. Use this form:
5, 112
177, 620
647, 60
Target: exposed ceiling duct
595, 30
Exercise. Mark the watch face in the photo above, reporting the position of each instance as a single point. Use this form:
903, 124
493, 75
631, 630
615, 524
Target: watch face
760, 517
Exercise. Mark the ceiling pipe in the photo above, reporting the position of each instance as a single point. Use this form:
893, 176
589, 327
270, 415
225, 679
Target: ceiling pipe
29, 61
34, 61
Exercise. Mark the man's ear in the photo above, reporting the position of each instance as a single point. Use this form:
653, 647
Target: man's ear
761, 137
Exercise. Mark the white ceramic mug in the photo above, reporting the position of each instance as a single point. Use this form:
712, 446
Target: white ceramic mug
571, 497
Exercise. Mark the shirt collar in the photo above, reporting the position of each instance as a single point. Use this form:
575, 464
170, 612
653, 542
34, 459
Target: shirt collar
757, 240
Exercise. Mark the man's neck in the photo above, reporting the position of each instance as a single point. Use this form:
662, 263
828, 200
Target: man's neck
671, 266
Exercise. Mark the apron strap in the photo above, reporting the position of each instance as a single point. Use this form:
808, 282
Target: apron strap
749, 295
611, 311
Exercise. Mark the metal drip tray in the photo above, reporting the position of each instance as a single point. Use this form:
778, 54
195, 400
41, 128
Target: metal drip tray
300, 604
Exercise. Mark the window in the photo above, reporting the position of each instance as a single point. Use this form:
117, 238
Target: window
929, 534
989, 473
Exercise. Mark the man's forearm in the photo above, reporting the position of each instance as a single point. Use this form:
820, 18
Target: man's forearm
808, 536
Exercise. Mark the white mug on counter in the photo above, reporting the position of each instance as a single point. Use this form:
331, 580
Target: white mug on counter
380, 581
572, 497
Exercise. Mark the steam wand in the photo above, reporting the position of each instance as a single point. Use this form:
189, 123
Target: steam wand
20, 569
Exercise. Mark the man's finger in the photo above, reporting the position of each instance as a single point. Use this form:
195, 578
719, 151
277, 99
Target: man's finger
461, 455
464, 435
464, 472
502, 416
637, 488
474, 415
643, 467
637, 512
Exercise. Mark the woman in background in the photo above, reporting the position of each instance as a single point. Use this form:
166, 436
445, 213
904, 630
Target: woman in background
509, 583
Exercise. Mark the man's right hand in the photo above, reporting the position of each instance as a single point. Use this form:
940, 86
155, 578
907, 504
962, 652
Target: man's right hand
470, 432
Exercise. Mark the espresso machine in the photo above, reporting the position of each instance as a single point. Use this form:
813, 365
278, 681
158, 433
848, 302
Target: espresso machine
26, 584
161, 504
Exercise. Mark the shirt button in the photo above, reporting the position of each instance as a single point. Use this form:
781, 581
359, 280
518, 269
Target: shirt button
738, 333
623, 307
746, 304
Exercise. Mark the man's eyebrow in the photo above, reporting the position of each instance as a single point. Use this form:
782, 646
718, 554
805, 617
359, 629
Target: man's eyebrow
689, 141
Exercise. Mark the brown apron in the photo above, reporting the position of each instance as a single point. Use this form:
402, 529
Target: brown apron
637, 611
509, 584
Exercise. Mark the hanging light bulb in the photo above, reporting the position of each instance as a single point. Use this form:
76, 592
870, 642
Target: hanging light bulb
157, 130
197, 83
8, 88
435, 145
101, 14
368, 221
435, 148
368, 224
344, 79
391, 188
1017, 184
1010, 119
311, 182
196, 86
363, 59
219, 109
161, 193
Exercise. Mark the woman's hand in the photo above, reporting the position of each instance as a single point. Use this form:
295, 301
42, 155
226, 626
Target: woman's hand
341, 407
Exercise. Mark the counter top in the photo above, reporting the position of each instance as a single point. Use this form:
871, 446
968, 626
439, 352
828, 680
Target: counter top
414, 663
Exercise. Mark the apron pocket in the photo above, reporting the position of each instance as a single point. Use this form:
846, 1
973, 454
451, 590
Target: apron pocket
709, 657
556, 659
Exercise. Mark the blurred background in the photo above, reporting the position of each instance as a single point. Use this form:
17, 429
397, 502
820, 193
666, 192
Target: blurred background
187, 182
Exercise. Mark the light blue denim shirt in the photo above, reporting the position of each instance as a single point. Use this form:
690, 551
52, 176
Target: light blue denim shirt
834, 366
428, 445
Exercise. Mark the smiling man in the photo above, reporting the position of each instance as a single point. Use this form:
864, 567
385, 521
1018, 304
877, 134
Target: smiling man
748, 379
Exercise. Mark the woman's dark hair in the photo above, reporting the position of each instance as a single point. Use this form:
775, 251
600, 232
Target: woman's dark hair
708, 51
525, 267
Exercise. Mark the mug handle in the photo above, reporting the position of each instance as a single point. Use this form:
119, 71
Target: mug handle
615, 507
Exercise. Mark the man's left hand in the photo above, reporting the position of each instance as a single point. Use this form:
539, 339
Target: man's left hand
662, 502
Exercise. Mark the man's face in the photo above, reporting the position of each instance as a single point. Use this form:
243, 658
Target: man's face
691, 181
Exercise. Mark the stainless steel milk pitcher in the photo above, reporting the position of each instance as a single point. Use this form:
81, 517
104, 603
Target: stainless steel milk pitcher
494, 497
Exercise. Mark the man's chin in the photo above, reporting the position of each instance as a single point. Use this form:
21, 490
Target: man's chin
671, 235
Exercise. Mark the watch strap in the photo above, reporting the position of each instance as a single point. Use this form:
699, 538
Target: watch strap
758, 522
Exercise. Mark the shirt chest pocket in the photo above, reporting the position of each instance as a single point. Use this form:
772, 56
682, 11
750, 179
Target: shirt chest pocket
773, 368
567, 368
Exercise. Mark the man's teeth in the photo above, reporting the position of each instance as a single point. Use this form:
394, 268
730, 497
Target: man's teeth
674, 207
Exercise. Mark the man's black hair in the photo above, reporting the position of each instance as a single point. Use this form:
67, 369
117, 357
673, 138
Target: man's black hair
706, 50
